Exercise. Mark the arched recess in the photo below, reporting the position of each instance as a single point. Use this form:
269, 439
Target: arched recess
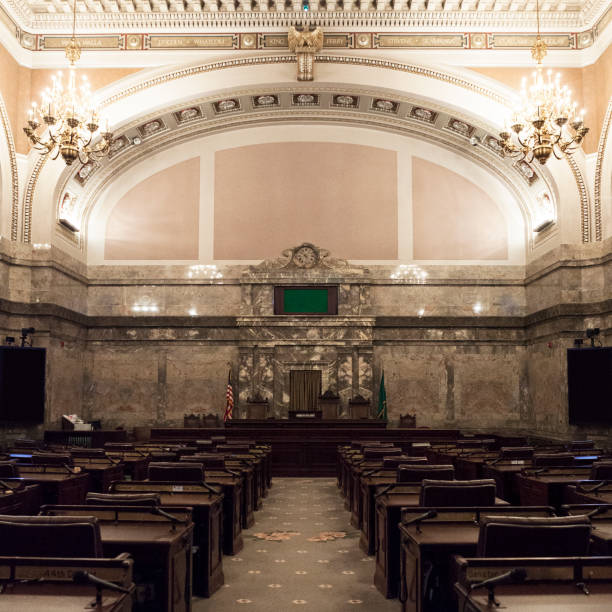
141, 98
9, 178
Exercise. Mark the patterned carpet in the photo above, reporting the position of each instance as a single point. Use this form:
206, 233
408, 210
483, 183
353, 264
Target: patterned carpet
301, 553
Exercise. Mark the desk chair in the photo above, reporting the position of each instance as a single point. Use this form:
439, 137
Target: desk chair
511, 536
179, 471
416, 473
50, 536
123, 499
436, 493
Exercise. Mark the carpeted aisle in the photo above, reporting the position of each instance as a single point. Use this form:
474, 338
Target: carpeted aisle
301, 552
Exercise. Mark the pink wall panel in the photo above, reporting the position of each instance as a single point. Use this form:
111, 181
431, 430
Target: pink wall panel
342, 197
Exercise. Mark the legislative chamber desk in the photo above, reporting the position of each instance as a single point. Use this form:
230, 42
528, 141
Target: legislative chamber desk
58, 485
574, 584
601, 519
589, 492
31, 584
302, 448
160, 547
427, 548
208, 525
18, 499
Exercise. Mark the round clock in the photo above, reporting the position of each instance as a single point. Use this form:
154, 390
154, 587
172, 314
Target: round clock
305, 257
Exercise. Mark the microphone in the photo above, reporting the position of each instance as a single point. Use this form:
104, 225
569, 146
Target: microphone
422, 517
83, 577
518, 574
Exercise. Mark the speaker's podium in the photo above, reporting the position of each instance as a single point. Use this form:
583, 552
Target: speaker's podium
256, 408
329, 405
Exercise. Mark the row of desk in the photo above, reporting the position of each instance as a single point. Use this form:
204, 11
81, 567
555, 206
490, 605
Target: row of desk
177, 545
417, 548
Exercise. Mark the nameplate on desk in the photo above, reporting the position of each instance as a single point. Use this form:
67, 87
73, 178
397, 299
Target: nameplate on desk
305, 415
177, 488
517, 462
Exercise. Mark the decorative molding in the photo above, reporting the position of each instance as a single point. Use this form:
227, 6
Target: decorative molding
28, 198
601, 151
10, 143
585, 211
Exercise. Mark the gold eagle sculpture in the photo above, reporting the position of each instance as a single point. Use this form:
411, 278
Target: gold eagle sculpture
305, 43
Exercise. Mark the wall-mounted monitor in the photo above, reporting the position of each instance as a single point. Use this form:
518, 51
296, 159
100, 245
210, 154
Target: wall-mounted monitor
306, 300
22, 384
589, 386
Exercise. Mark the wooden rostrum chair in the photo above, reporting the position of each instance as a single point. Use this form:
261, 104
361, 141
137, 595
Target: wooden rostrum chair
515, 536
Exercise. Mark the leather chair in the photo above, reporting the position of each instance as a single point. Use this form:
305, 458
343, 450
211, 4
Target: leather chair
516, 452
601, 470
435, 493
218, 439
392, 463
553, 459
576, 445
8, 469
204, 445
88, 453
123, 499
23, 443
511, 536
210, 461
176, 471
417, 473
372, 452
50, 536
51, 459
119, 446
233, 448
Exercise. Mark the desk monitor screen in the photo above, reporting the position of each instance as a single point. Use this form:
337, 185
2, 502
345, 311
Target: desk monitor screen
309, 300
589, 381
22, 384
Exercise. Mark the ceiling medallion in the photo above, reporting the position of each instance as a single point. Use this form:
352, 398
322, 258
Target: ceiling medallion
387, 106
304, 99
345, 101
265, 100
423, 114
188, 114
151, 127
461, 127
225, 106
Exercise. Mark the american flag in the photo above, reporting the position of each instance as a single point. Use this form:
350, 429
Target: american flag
229, 399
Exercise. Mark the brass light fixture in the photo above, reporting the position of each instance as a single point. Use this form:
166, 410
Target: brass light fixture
546, 122
68, 115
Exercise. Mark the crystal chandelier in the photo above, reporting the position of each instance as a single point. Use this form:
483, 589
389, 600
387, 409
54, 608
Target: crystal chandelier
69, 115
546, 121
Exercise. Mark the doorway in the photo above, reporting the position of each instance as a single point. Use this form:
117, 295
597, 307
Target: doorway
305, 389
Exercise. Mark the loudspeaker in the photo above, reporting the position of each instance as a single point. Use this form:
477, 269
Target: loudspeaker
589, 382
22, 384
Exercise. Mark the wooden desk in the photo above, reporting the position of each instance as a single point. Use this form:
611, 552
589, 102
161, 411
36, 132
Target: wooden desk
601, 536
427, 549
208, 526
161, 550
232, 484
588, 492
102, 472
58, 486
504, 473
389, 505
135, 463
547, 487
24, 500
550, 584
368, 486
305, 449
36, 584
246, 473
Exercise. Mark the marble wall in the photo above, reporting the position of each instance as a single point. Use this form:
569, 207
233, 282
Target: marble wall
501, 366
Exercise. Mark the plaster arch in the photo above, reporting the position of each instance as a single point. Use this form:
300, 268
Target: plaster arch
142, 96
603, 179
9, 178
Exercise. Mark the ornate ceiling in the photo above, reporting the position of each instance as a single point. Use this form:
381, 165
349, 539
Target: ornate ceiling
419, 15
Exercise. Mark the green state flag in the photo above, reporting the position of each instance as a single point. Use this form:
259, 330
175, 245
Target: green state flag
382, 399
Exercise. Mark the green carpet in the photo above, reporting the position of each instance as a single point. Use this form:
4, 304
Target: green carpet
301, 553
